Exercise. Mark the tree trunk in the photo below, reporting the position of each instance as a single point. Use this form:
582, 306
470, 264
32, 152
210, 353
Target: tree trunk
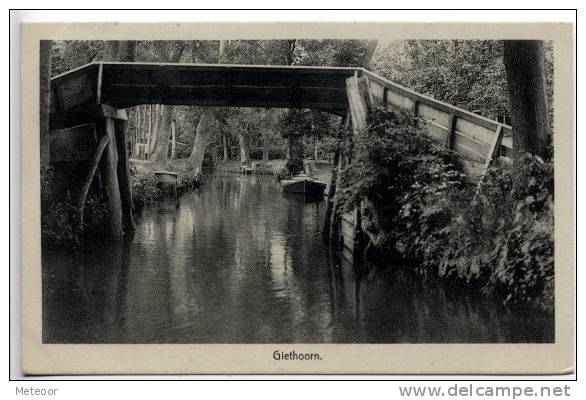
111, 50
525, 70
371, 47
45, 98
160, 150
173, 141
203, 131
119, 50
314, 149
141, 130
149, 131
244, 148
225, 146
288, 51
155, 131
136, 132
266, 147
202, 136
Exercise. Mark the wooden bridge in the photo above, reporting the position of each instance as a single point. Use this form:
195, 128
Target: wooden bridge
88, 120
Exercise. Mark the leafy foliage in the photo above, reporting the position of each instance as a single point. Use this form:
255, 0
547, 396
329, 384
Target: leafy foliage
147, 190
70, 54
416, 202
523, 254
60, 217
60, 224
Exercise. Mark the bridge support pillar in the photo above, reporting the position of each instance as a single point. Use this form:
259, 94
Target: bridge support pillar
124, 175
112, 123
111, 187
360, 105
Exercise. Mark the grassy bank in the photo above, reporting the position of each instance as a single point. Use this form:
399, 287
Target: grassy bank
147, 190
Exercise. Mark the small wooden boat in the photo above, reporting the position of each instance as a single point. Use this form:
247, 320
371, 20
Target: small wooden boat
304, 184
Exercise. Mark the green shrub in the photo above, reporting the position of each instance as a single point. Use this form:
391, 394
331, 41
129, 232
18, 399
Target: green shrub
398, 169
147, 190
144, 189
522, 254
60, 224
60, 221
416, 202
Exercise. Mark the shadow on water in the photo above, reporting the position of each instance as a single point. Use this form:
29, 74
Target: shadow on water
237, 262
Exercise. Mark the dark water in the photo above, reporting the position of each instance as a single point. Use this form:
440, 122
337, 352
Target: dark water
236, 262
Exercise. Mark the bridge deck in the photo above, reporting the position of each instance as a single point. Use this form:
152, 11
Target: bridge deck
77, 94
124, 85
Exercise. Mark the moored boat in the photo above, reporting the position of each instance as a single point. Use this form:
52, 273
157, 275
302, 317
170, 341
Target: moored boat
304, 184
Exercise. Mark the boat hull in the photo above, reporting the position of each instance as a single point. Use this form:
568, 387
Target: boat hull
307, 187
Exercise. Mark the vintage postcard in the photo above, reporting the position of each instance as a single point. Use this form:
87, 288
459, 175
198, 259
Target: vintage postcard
319, 198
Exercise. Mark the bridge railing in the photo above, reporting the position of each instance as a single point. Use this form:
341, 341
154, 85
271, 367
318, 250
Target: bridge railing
475, 139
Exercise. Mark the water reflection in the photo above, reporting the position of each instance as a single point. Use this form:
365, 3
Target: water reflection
236, 262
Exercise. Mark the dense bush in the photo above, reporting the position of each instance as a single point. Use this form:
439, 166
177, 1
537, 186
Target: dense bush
60, 217
522, 255
415, 202
263, 169
60, 224
395, 169
146, 190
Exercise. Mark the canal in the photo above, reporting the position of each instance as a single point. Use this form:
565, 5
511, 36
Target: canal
237, 262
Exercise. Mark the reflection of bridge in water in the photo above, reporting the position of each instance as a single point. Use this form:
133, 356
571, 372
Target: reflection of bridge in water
88, 120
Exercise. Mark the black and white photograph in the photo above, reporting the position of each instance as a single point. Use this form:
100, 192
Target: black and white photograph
297, 191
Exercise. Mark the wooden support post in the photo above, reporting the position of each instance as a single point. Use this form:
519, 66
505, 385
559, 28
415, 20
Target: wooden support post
416, 104
360, 105
358, 102
111, 179
124, 175
331, 195
369, 98
330, 207
385, 94
90, 176
495, 146
492, 154
451, 132
334, 220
